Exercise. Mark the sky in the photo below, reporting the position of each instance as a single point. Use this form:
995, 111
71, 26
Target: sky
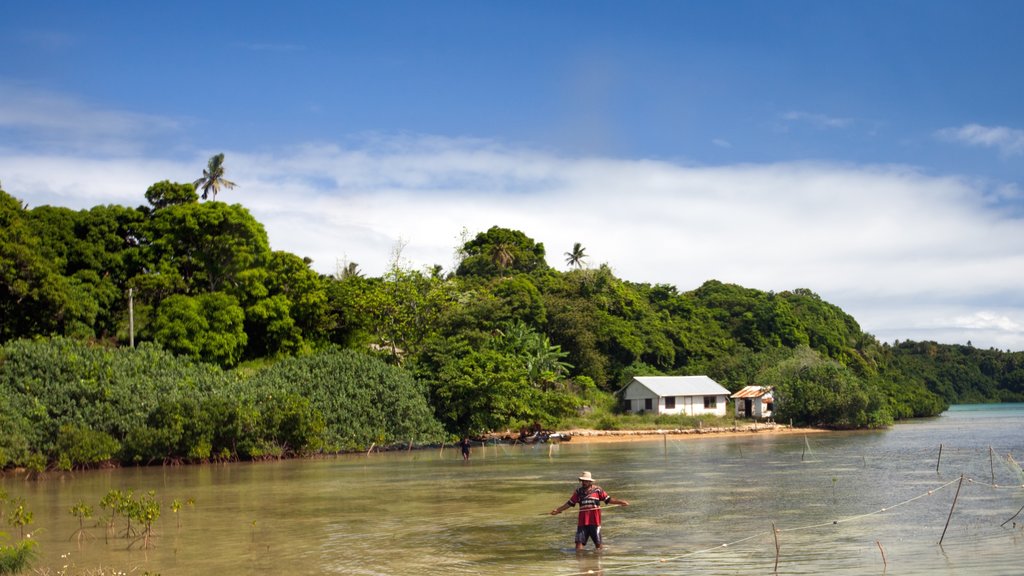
870, 151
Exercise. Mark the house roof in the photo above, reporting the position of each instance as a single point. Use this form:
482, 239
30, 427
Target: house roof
752, 392
681, 385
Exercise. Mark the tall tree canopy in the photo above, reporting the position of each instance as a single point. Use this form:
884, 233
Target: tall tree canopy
501, 252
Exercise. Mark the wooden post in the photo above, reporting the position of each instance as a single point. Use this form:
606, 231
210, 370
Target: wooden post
775, 532
951, 508
441, 454
939, 459
885, 562
372, 444
991, 465
1012, 517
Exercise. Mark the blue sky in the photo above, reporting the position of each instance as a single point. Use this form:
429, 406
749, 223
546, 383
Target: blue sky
869, 151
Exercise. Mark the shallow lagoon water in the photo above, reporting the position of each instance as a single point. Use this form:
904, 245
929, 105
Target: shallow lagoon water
698, 506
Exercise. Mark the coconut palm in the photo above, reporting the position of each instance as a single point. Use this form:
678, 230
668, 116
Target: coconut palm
213, 178
501, 255
351, 270
577, 257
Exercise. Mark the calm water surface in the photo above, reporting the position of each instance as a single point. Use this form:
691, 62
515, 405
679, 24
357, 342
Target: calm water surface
699, 506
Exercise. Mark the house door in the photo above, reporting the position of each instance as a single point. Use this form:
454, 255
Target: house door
748, 407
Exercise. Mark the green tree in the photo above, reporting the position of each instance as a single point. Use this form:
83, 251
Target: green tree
286, 307
207, 245
213, 178
166, 193
208, 327
35, 297
500, 251
817, 391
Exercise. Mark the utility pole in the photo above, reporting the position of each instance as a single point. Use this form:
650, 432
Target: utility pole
131, 319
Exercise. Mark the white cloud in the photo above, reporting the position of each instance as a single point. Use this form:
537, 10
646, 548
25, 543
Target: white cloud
906, 254
1008, 141
821, 121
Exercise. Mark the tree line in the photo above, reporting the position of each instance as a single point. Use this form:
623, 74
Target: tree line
503, 340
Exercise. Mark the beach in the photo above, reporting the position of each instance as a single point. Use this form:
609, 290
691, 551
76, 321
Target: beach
581, 436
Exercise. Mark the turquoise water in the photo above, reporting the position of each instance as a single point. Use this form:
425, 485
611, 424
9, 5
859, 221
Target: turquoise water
698, 506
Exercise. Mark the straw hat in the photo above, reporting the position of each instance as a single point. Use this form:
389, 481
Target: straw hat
586, 477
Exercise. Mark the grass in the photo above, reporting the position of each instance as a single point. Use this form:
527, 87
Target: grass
15, 558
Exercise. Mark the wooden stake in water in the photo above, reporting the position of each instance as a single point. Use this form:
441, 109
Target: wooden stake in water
1012, 517
775, 532
885, 562
939, 459
991, 465
951, 508
441, 453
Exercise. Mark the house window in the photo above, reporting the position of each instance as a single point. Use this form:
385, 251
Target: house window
647, 404
710, 402
670, 402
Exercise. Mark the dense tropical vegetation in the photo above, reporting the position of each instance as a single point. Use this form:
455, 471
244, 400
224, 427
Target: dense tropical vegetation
243, 352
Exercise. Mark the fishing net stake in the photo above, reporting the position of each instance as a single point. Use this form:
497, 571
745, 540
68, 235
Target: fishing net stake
992, 465
951, 508
939, 460
1012, 517
775, 532
885, 563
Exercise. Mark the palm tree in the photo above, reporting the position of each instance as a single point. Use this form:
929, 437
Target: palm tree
351, 270
213, 178
501, 255
577, 257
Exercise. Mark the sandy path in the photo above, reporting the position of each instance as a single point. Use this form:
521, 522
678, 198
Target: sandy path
590, 436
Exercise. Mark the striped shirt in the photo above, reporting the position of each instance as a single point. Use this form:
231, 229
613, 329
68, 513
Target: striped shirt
589, 499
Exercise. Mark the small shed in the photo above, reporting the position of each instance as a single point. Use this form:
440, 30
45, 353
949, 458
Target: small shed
754, 402
690, 395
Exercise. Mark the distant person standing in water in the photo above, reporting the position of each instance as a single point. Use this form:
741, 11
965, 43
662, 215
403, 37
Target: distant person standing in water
589, 497
465, 448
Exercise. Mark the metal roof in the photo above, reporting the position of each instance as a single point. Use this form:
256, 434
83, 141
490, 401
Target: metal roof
752, 392
681, 385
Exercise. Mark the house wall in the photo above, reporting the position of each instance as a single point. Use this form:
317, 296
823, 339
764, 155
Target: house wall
689, 405
694, 406
635, 396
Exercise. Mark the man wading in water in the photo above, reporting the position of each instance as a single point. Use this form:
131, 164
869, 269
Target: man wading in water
589, 497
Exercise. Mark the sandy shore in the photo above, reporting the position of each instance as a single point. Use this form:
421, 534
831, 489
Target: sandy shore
585, 436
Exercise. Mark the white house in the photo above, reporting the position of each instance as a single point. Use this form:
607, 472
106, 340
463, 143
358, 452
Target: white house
690, 395
754, 402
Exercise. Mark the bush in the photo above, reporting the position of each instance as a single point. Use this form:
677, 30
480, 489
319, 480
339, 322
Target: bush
82, 448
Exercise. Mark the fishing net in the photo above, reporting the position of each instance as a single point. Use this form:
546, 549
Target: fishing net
1015, 470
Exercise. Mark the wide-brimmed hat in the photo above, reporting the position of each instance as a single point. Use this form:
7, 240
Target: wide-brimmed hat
587, 477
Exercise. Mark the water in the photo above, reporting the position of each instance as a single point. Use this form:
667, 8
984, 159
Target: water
698, 506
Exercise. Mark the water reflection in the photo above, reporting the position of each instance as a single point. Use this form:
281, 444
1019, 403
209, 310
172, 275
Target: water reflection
704, 506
